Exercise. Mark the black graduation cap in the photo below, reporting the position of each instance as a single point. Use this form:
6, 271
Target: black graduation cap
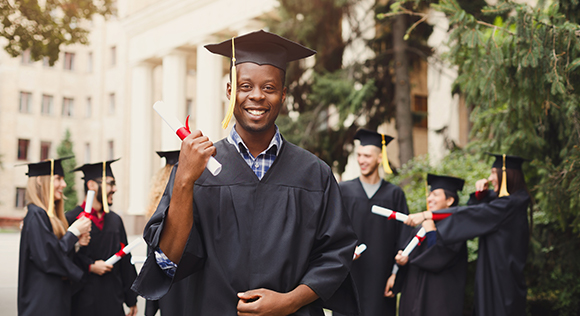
368, 137
171, 157
445, 182
95, 170
43, 168
260, 47
511, 162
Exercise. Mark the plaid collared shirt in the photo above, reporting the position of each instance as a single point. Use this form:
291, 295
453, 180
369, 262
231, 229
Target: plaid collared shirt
259, 165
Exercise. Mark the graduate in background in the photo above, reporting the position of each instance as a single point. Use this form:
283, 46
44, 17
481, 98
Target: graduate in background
268, 234
105, 287
173, 303
502, 228
435, 276
47, 244
372, 272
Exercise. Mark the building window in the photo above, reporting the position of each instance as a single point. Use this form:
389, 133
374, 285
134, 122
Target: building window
111, 103
25, 100
46, 62
89, 108
69, 61
23, 149
26, 58
419, 109
67, 107
111, 147
20, 194
113, 56
90, 62
44, 150
46, 106
87, 152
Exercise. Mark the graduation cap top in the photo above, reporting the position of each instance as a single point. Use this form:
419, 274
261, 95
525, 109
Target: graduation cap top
368, 137
171, 157
511, 162
43, 168
445, 182
95, 170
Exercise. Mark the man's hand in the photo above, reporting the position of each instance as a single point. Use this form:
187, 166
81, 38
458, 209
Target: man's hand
100, 267
85, 239
264, 302
415, 219
400, 259
481, 185
389, 286
429, 225
132, 311
195, 152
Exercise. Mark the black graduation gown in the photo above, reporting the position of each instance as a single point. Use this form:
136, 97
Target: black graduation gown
383, 238
502, 227
435, 280
45, 267
104, 295
287, 229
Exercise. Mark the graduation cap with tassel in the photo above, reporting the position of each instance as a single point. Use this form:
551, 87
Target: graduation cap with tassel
99, 170
504, 162
368, 137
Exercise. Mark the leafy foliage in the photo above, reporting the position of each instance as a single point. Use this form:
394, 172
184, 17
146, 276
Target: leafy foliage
43, 26
65, 149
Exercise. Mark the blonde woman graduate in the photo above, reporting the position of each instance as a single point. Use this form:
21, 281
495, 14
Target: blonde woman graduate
47, 244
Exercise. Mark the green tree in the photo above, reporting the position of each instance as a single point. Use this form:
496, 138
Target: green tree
520, 74
43, 26
65, 149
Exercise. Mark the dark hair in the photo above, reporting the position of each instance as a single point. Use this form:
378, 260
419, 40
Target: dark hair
452, 194
515, 180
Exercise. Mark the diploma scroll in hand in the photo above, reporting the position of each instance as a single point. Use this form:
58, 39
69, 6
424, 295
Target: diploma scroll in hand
359, 249
390, 214
183, 131
123, 252
417, 239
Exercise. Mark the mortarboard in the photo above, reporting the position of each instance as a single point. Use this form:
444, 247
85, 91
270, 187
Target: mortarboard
368, 137
504, 162
99, 170
445, 182
260, 47
171, 157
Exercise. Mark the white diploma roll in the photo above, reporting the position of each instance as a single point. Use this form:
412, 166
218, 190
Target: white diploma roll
89, 201
414, 242
383, 211
359, 249
212, 164
123, 252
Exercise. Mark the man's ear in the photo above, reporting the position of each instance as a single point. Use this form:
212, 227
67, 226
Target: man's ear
228, 90
449, 201
93, 185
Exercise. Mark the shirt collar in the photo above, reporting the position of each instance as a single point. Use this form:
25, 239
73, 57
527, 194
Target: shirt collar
235, 139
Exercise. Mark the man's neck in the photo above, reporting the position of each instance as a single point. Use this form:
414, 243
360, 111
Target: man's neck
372, 178
97, 206
256, 142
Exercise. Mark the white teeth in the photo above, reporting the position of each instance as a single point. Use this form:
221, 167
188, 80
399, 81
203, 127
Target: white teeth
256, 112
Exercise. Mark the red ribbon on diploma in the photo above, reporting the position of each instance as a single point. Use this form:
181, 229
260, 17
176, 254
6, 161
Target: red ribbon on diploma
420, 239
183, 132
392, 216
121, 253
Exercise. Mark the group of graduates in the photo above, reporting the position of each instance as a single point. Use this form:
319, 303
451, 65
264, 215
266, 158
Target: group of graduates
274, 233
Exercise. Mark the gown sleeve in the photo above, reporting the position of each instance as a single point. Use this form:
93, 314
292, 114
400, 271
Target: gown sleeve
438, 257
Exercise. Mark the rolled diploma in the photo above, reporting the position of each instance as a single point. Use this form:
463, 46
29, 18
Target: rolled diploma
359, 249
212, 164
414, 242
89, 202
126, 250
383, 211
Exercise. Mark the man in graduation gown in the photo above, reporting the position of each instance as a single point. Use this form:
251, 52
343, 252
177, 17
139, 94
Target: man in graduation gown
383, 237
435, 273
105, 287
268, 235
502, 228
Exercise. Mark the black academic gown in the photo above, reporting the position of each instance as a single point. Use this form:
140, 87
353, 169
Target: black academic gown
383, 238
502, 227
104, 295
45, 268
287, 229
172, 304
435, 280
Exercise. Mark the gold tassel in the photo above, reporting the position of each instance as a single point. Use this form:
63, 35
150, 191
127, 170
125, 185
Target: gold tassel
503, 188
51, 194
104, 188
234, 86
386, 166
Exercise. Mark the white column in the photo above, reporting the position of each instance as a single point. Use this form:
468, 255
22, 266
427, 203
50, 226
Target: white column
140, 137
173, 94
209, 111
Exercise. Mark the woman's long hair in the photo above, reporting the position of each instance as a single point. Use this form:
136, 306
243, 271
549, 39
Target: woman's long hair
37, 193
515, 182
157, 188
